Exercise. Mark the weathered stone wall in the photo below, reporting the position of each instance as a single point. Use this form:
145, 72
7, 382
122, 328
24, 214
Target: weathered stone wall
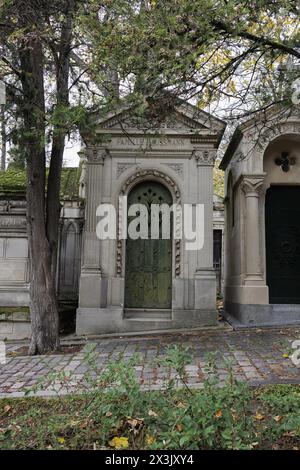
14, 262
14, 265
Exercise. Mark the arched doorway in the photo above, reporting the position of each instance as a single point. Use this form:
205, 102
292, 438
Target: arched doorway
148, 263
282, 215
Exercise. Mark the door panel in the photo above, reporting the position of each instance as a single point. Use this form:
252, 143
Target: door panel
283, 244
148, 273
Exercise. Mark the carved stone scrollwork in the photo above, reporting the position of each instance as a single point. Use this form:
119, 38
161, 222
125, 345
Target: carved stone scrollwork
121, 167
204, 157
139, 175
177, 167
177, 258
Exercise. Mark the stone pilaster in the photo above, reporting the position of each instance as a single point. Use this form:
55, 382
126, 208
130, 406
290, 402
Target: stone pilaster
205, 277
90, 281
252, 187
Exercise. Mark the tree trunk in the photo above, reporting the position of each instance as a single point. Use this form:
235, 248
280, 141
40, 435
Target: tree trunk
3, 138
59, 134
43, 213
43, 305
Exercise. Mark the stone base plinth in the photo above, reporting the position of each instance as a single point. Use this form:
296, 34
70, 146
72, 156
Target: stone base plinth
92, 321
255, 315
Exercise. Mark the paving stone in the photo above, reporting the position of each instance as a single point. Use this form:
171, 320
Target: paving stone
255, 357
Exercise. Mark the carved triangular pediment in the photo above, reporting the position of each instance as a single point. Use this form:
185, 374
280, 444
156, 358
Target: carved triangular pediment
174, 121
181, 118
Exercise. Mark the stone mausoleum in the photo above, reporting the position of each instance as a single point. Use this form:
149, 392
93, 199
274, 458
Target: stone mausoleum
144, 285
262, 246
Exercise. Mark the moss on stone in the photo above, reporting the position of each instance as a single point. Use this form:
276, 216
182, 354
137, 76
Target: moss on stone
12, 310
14, 181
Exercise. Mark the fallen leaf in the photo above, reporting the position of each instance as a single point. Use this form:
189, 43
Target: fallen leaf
73, 423
218, 414
181, 405
119, 443
289, 434
152, 413
258, 416
179, 427
134, 422
277, 418
7, 408
108, 414
149, 439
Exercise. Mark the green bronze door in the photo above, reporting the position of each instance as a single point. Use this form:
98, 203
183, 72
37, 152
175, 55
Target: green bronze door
148, 273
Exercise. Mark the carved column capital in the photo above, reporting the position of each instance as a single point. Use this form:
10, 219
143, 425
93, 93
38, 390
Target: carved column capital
252, 186
96, 155
205, 157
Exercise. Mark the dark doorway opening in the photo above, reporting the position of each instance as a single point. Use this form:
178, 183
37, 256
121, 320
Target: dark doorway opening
282, 215
217, 256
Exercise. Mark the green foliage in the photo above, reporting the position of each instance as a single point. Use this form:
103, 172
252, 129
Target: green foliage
218, 177
204, 49
14, 181
282, 402
113, 411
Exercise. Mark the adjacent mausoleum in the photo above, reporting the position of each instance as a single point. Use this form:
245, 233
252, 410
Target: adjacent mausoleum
262, 200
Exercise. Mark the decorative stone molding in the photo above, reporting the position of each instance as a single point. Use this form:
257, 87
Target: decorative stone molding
138, 176
119, 257
177, 258
277, 130
13, 207
127, 120
121, 167
177, 167
12, 222
204, 157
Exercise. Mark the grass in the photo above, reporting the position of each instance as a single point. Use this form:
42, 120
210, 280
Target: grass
68, 423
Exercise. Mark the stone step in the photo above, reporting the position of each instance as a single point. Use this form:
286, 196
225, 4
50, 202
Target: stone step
286, 307
138, 314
